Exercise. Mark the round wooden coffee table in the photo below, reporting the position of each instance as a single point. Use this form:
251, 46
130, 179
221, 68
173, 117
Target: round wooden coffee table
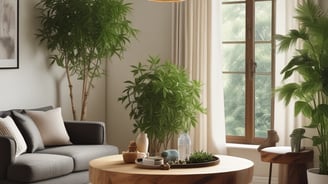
112, 170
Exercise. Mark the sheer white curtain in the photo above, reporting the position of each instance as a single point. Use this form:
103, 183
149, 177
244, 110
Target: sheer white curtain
285, 121
196, 48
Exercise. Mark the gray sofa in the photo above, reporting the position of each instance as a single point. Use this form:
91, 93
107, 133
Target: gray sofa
57, 164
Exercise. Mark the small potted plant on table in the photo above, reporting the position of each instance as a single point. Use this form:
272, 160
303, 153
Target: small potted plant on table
162, 100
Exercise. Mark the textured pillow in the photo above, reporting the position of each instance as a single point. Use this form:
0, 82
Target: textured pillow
9, 128
29, 131
51, 126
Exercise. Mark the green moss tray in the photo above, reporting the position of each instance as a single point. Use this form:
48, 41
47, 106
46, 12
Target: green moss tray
215, 161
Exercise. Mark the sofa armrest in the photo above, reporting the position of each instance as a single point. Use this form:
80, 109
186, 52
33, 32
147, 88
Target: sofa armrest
7, 154
86, 132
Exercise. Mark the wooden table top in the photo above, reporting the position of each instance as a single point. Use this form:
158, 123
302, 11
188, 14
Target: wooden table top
287, 157
106, 169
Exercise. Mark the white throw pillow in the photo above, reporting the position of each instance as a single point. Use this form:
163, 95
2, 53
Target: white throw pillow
51, 126
9, 128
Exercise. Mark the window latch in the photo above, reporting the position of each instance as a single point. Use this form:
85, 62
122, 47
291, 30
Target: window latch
254, 67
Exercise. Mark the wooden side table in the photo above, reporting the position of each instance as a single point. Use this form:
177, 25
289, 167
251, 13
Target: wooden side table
293, 166
112, 170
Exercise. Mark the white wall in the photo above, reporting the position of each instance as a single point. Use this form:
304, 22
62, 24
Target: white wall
154, 23
32, 84
35, 83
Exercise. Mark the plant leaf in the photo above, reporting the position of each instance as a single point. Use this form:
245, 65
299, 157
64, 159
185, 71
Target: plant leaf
304, 108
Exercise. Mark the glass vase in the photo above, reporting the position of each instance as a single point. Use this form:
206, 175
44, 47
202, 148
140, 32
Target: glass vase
184, 146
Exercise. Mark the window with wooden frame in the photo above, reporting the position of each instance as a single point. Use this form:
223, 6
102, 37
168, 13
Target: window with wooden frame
248, 29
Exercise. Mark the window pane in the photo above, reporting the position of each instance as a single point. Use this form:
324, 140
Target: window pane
263, 16
233, 30
233, 26
233, 57
234, 104
262, 105
263, 57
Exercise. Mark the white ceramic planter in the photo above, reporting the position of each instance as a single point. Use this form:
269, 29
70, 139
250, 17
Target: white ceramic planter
142, 142
315, 178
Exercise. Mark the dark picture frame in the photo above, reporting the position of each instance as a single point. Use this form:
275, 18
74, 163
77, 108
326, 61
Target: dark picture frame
9, 34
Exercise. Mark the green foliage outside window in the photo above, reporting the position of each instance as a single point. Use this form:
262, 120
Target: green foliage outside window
234, 68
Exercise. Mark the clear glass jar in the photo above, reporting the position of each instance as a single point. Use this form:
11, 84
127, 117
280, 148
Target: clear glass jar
184, 146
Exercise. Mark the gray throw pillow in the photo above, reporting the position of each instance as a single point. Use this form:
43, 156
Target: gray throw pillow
29, 131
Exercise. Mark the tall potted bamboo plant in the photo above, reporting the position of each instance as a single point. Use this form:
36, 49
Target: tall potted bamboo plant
162, 100
81, 34
311, 63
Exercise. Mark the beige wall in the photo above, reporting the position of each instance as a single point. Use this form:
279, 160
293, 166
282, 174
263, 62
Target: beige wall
32, 84
154, 23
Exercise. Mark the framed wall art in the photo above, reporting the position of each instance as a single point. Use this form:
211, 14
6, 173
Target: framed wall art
9, 34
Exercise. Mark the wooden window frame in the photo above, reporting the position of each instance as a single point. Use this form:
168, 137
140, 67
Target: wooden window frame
250, 72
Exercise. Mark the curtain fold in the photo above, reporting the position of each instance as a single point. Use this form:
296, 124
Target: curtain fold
285, 121
195, 46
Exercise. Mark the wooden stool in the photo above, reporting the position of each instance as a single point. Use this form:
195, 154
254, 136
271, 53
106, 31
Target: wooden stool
293, 166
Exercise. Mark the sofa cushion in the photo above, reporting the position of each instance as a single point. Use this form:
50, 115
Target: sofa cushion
32, 167
51, 126
9, 128
29, 131
4, 114
82, 154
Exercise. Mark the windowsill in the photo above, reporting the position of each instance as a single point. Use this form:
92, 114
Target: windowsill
242, 146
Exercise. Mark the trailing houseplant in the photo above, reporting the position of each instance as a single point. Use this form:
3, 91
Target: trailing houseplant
81, 34
162, 100
311, 63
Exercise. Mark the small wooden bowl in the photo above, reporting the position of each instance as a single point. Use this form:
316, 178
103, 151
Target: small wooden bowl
130, 157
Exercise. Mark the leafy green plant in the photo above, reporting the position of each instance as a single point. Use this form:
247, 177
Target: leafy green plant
162, 101
200, 157
311, 63
80, 34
